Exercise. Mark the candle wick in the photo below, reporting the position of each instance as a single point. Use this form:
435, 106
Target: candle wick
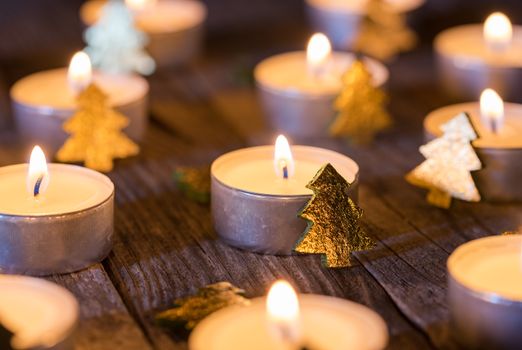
37, 185
493, 126
285, 172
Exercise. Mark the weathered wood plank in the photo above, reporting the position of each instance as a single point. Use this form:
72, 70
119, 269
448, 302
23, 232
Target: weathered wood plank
432, 233
166, 245
167, 249
104, 320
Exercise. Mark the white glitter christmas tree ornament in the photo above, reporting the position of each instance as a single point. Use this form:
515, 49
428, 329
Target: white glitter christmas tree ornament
115, 45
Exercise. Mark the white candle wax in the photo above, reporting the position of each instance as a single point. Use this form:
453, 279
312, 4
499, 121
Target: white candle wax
508, 137
50, 89
359, 6
40, 313
288, 73
71, 189
467, 47
326, 323
252, 169
492, 265
160, 17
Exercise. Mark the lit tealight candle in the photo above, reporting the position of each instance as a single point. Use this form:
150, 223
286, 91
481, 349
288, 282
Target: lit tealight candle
253, 201
297, 89
474, 57
285, 320
492, 110
41, 314
44, 100
340, 19
175, 27
485, 292
498, 32
499, 146
62, 216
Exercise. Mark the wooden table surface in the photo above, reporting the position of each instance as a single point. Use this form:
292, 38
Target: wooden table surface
165, 246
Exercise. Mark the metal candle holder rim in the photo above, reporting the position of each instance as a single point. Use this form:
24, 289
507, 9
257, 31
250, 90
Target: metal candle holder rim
490, 297
262, 195
472, 61
431, 134
202, 6
294, 93
361, 11
51, 216
53, 111
383, 336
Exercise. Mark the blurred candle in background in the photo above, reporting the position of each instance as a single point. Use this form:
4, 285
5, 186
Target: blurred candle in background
474, 57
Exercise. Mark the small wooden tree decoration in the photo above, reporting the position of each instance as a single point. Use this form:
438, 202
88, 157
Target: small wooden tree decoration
446, 172
115, 45
384, 33
96, 136
360, 107
333, 221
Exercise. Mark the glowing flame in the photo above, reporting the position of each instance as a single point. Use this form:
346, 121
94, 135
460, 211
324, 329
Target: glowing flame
282, 309
492, 110
138, 5
283, 161
37, 175
498, 32
79, 74
318, 54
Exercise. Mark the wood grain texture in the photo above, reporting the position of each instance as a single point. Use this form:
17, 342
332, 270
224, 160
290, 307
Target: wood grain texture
166, 246
104, 320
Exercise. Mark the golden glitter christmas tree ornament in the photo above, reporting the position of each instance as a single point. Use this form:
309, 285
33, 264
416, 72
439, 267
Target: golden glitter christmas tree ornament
333, 221
194, 183
360, 107
96, 137
191, 310
384, 33
446, 172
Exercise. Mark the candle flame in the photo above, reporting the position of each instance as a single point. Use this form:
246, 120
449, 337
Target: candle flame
498, 32
138, 5
492, 110
79, 74
282, 308
283, 161
37, 174
318, 54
